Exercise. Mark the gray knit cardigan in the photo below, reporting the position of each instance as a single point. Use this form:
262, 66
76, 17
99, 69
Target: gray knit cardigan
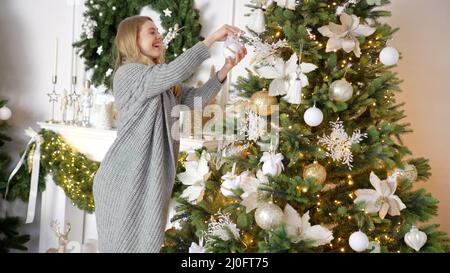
133, 185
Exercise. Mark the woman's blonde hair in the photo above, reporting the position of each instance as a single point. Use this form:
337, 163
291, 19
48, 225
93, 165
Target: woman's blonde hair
126, 45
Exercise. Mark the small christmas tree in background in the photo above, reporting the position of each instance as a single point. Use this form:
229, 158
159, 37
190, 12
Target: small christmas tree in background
9, 236
339, 179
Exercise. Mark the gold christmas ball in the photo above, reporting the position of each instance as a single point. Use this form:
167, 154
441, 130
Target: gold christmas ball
409, 173
262, 103
315, 171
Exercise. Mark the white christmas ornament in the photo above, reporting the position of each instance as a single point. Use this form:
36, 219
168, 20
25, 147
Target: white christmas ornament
231, 182
268, 216
286, 78
382, 199
389, 56
341, 90
288, 4
415, 238
221, 227
272, 163
299, 228
100, 50
195, 176
339, 144
5, 113
231, 47
345, 36
358, 241
257, 21
313, 116
167, 12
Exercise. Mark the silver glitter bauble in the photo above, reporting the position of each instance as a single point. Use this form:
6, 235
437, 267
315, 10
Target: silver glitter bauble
268, 216
409, 173
341, 90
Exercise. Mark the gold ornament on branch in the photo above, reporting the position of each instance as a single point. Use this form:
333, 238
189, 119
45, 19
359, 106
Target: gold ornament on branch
315, 171
409, 172
262, 103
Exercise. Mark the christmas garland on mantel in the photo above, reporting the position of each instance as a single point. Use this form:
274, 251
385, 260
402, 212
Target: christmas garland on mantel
70, 169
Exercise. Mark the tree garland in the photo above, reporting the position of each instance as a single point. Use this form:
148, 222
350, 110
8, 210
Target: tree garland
103, 17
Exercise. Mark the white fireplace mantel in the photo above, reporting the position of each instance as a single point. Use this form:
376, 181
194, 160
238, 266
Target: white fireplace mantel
94, 143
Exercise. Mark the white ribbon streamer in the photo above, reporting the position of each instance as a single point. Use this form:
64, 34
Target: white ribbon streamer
35, 137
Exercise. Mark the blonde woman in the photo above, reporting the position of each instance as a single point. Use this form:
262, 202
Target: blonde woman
133, 185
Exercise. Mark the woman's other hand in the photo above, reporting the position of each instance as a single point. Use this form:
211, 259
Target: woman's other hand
231, 62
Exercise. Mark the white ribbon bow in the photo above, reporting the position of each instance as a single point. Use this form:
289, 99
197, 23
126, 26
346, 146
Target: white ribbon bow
35, 137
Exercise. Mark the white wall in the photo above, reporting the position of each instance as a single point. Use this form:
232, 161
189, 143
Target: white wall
28, 30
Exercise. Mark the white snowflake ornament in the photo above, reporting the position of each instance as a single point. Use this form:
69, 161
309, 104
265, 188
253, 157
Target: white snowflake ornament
338, 143
221, 227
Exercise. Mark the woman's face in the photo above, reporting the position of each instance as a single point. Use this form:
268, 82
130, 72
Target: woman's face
149, 40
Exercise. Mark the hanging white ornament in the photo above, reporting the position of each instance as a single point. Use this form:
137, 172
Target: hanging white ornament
358, 241
231, 47
5, 113
313, 116
415, 238
287, 4
167, 12
341, 90
268, 216
389, 56
257, 21
272, 163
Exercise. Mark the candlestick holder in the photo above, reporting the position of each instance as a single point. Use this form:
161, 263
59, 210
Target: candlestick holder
53, 98
74, 103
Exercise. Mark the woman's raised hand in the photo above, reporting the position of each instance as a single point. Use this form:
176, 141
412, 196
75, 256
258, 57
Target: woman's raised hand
221, 34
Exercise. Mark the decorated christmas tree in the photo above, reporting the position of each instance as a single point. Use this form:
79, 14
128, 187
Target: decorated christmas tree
330, 173
9, 236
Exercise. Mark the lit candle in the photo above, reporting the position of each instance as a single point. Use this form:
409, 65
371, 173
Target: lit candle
56, 59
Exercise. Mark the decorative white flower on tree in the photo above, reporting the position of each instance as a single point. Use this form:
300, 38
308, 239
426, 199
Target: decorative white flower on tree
345, 36
339, 144
288, 4
382, 199
250, 184
272, 163
231, 182
299, 228
195, 176
221, 228
284, 75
